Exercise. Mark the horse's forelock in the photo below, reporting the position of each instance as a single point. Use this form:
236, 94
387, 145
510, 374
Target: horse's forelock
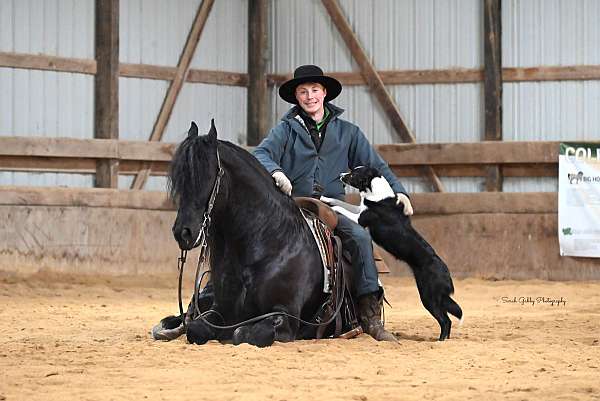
185, 165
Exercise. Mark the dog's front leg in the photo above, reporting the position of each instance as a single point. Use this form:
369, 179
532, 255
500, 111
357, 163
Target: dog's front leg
345, 205
350, 215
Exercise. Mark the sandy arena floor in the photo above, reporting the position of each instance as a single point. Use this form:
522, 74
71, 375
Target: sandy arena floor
84, 339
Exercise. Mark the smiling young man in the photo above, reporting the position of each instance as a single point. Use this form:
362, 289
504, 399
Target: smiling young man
307, 151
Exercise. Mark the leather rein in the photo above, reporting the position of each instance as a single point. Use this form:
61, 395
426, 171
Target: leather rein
202, 241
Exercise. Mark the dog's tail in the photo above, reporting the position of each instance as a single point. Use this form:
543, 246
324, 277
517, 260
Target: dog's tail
453, 308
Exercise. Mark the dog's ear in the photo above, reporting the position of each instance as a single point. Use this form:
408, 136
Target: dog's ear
373, 172
362, 182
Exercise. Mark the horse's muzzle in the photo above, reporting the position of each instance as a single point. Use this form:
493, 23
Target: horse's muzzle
184, 238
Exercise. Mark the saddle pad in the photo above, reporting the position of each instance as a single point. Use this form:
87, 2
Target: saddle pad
313, 223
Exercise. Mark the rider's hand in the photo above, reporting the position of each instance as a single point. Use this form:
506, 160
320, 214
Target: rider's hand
282, 182
401, 198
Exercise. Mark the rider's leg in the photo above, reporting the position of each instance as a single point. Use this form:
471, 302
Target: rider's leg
358, 242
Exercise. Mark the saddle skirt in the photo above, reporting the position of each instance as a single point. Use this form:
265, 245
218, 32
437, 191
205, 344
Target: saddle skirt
322, 221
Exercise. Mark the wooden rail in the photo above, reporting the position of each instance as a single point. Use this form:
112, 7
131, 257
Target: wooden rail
396, 77
425, 203
517, 159
487, 152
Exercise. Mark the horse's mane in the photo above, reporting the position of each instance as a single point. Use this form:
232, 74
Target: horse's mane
191, 161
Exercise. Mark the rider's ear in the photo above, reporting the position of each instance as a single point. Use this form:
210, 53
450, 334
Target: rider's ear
212, 134
193, 131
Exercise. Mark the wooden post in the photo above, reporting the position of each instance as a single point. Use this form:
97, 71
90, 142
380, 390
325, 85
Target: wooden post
375, 83
257, 98
106, 87
492, 48
173, 92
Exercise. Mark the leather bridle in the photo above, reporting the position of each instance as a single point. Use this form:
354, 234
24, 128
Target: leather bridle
202, 240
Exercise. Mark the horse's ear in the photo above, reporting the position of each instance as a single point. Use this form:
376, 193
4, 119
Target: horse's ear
193, 131
212, 134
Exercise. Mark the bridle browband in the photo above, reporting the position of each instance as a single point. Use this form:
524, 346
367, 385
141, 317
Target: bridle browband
202, 240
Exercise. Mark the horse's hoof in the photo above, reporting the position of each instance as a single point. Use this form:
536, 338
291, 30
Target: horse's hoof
159, 332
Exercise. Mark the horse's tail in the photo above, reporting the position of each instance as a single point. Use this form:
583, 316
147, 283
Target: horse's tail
453, 308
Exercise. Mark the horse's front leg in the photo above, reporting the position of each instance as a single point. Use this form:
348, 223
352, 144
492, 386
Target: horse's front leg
199, 332
265, 332
171, 327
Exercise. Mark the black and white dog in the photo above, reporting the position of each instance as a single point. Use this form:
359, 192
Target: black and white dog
391, 229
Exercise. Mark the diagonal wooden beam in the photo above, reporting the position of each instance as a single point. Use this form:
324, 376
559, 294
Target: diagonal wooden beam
173, 92
375, 83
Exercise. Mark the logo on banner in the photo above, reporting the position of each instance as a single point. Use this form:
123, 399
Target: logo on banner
567, 231
575, 177
580, 177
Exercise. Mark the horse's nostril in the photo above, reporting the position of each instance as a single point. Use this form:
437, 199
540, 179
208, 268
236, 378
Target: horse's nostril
186, 234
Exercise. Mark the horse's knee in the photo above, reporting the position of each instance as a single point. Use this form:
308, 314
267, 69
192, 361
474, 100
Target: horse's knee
199, 333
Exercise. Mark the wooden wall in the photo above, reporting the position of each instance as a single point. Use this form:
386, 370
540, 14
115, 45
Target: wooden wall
101, 241
109, 232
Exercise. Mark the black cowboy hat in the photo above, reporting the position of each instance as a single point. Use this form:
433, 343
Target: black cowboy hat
309, 73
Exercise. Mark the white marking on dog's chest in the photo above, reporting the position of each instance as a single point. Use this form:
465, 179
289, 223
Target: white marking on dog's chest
380, 189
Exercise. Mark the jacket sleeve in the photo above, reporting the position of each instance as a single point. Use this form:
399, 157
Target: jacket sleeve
271, 149
361, 153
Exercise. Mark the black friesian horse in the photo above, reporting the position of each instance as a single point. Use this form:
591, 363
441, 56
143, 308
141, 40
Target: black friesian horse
263, 256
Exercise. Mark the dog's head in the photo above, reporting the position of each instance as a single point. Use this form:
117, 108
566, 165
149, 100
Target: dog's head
369, 181
360, 177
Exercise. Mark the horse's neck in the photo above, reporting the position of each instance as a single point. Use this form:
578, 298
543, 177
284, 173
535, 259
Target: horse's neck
254, 210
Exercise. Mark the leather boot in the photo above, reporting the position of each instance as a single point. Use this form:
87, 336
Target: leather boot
369, 310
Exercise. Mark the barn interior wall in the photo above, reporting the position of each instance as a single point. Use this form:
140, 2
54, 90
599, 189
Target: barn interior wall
57, 104
396, 34
549, 33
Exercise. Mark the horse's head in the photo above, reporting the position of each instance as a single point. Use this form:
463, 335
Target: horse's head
192, 177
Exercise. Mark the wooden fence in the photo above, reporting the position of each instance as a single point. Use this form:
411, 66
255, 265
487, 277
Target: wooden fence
516, 159
230, 78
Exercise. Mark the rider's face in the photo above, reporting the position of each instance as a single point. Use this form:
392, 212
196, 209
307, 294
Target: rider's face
310, 97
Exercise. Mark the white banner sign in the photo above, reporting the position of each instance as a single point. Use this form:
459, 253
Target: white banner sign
579, 199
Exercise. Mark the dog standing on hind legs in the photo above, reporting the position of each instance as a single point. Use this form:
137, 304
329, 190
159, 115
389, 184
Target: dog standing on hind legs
390, 228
